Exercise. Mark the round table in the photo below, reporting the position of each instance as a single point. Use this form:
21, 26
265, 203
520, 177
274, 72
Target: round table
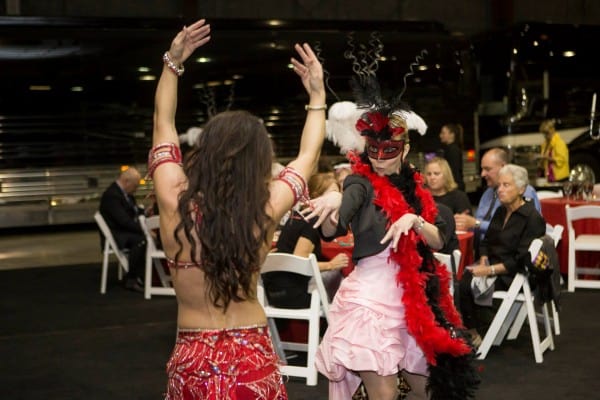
553, 211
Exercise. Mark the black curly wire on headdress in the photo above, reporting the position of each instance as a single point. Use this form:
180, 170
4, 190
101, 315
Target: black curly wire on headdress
365, 60
317, 49
365, 63
412, 67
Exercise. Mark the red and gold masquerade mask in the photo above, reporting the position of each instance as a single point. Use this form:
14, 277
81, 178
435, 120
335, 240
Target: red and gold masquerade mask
385, 136
384, 150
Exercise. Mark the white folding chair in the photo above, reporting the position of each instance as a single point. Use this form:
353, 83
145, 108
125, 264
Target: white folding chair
555, 232
110, 247
548, 194
447, 260
582, 242
155, 257
319, 307
510, 315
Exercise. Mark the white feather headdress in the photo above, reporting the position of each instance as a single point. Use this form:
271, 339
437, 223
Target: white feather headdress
341, 125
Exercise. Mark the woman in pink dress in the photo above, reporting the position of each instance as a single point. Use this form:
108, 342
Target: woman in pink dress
393, 313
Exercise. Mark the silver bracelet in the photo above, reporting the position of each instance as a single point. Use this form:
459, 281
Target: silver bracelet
419, 227
177, 70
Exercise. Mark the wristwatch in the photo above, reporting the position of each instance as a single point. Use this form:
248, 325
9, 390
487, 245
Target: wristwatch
477, 224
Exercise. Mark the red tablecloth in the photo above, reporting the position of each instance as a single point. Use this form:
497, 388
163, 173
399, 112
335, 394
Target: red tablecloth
465, 245
346, 244
342, 244
553, 211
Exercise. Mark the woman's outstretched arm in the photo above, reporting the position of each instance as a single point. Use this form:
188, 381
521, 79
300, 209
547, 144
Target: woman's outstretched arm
168, 176
310, 71
313, 134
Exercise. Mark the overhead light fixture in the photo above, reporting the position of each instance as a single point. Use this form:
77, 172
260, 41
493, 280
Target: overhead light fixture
40, 88
143, 69
203, 60
147, 78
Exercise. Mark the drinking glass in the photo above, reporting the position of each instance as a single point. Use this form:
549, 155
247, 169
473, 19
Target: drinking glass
568, 189
588, 188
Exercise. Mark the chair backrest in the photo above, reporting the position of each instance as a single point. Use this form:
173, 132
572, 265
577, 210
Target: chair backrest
108, 236
109, 247
577, 213
307, 266
555, 232
457, 256
149, 224
447, 260
535, 247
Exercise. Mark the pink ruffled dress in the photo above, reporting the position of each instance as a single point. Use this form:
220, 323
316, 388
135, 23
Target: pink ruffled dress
367, 329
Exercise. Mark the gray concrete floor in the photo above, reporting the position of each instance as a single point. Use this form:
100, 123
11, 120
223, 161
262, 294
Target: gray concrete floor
49, 249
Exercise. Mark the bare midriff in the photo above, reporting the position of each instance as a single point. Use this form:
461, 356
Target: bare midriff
196, 311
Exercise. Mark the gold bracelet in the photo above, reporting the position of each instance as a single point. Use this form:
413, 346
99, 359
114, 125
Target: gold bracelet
308, 107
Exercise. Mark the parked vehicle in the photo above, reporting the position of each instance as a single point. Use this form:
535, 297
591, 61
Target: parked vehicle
535, 71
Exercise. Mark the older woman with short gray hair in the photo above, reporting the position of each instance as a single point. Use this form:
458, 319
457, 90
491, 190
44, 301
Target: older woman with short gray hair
519, 174
504, 248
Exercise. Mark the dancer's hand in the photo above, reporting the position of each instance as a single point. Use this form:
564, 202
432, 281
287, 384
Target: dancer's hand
189, 39
309, 70
402, 226
325, 207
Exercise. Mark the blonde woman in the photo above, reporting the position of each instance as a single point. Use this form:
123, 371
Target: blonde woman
441, 184
555, 154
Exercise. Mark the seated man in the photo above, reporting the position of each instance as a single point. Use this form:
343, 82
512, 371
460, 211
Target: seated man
491, 162
120, 211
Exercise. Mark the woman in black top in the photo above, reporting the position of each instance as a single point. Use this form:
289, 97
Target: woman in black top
451, 138
299, 237
442, 186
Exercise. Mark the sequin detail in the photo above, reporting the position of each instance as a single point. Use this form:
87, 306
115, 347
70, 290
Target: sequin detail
171, 263
296, 182
225, 364
163, 153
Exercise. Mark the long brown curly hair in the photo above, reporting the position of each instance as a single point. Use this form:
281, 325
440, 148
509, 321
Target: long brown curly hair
224, 204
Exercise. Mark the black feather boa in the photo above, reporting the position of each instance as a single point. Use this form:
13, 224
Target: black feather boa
430, 314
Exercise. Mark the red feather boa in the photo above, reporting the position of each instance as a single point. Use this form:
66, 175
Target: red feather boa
432, 338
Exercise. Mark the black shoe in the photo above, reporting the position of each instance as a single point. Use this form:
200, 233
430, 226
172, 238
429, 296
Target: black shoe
134, 284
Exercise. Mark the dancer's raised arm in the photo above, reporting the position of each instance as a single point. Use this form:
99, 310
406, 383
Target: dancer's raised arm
310, 71
165, 153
